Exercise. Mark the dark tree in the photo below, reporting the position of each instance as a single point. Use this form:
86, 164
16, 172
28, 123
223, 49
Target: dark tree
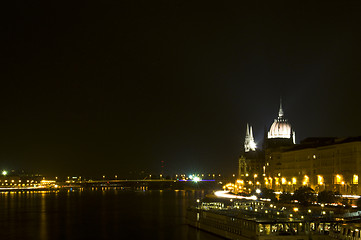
304, 195
326, 197
268, 193
359, 204
286, 197
346, 202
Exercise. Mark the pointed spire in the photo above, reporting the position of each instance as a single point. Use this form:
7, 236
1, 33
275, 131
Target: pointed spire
280, 112
249, 144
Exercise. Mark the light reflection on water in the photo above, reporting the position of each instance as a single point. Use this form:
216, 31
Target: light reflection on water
96, 214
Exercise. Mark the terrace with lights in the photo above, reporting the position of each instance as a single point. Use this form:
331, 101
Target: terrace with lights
21, 181
264, 203
262, 212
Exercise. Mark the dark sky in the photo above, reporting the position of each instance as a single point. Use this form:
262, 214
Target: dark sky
91, 89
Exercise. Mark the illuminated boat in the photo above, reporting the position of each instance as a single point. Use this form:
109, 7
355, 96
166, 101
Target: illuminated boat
349, 231
248, 219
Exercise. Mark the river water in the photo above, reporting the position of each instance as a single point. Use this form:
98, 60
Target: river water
99, 214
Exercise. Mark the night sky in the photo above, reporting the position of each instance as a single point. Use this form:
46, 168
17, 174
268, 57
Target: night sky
92, 89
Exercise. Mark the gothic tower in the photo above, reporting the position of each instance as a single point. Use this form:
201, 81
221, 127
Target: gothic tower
249, 144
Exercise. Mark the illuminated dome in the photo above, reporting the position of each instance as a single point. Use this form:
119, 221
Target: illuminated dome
280, 128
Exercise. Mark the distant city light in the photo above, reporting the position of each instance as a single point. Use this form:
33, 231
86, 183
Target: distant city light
283, 180
226, 194
350, 196
196, 179
355, 179
320, 179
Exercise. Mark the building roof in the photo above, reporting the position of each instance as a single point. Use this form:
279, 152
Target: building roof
280, 128
314, 142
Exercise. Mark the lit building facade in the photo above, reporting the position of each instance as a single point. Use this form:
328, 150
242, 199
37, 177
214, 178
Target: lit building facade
320, 163
19, 180
249, 144
251, 160
280, 133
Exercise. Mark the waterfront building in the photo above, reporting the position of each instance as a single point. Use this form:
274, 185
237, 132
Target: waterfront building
322, 163
15, 180
251, 160
249, 144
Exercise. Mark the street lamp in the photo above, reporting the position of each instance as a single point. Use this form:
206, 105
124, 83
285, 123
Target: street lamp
338, 179
355, 179
320, 180
306, 180
283, 180
294, 180
254, 178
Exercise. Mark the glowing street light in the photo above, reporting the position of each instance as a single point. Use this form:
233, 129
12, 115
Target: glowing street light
338, 179
306, 180
320, 179
240, 181
4, 173
277, 181
283, 180
355, 179
254, 178
196, 179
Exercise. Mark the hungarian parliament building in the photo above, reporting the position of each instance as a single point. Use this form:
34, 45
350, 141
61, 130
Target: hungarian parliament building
322, 163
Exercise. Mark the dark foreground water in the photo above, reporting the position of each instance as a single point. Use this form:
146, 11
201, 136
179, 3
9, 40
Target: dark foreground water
110, 214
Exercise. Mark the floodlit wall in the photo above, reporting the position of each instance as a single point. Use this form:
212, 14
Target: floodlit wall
333, 167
